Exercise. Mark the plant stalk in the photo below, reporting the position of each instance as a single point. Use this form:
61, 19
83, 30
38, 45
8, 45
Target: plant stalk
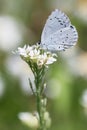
39, 102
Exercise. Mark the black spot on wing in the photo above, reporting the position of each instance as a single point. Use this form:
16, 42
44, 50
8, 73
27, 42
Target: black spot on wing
71, 27
61, 23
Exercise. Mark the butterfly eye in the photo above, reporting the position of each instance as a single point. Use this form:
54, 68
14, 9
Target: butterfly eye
39, 43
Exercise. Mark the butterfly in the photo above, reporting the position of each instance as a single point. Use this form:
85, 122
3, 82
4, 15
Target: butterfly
58, 33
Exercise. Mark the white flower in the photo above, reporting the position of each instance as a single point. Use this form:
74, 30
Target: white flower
45, 59
24, 51
17, 67
50, 60
47, 119
32, 120
42, 59
29, 119
36, 55
83, 100
11, 33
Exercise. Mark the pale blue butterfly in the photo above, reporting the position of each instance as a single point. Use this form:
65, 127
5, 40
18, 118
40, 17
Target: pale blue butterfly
58, 33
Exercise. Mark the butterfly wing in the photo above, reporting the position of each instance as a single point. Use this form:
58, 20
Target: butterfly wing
58, 33
61, 39
56, 21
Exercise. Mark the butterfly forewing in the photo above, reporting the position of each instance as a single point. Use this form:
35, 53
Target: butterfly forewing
56, 21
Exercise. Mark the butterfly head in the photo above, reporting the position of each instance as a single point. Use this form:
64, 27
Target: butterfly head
43, 46
39, 43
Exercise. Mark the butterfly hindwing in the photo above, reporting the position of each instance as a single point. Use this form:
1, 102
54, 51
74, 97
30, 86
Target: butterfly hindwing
61, 39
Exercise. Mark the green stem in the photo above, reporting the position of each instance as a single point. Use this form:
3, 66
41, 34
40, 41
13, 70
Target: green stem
39, 110
39, 99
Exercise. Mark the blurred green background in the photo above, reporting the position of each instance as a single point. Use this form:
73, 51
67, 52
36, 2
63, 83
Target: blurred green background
21, 22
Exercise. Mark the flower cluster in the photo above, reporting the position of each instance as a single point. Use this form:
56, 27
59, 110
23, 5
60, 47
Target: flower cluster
35, 54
